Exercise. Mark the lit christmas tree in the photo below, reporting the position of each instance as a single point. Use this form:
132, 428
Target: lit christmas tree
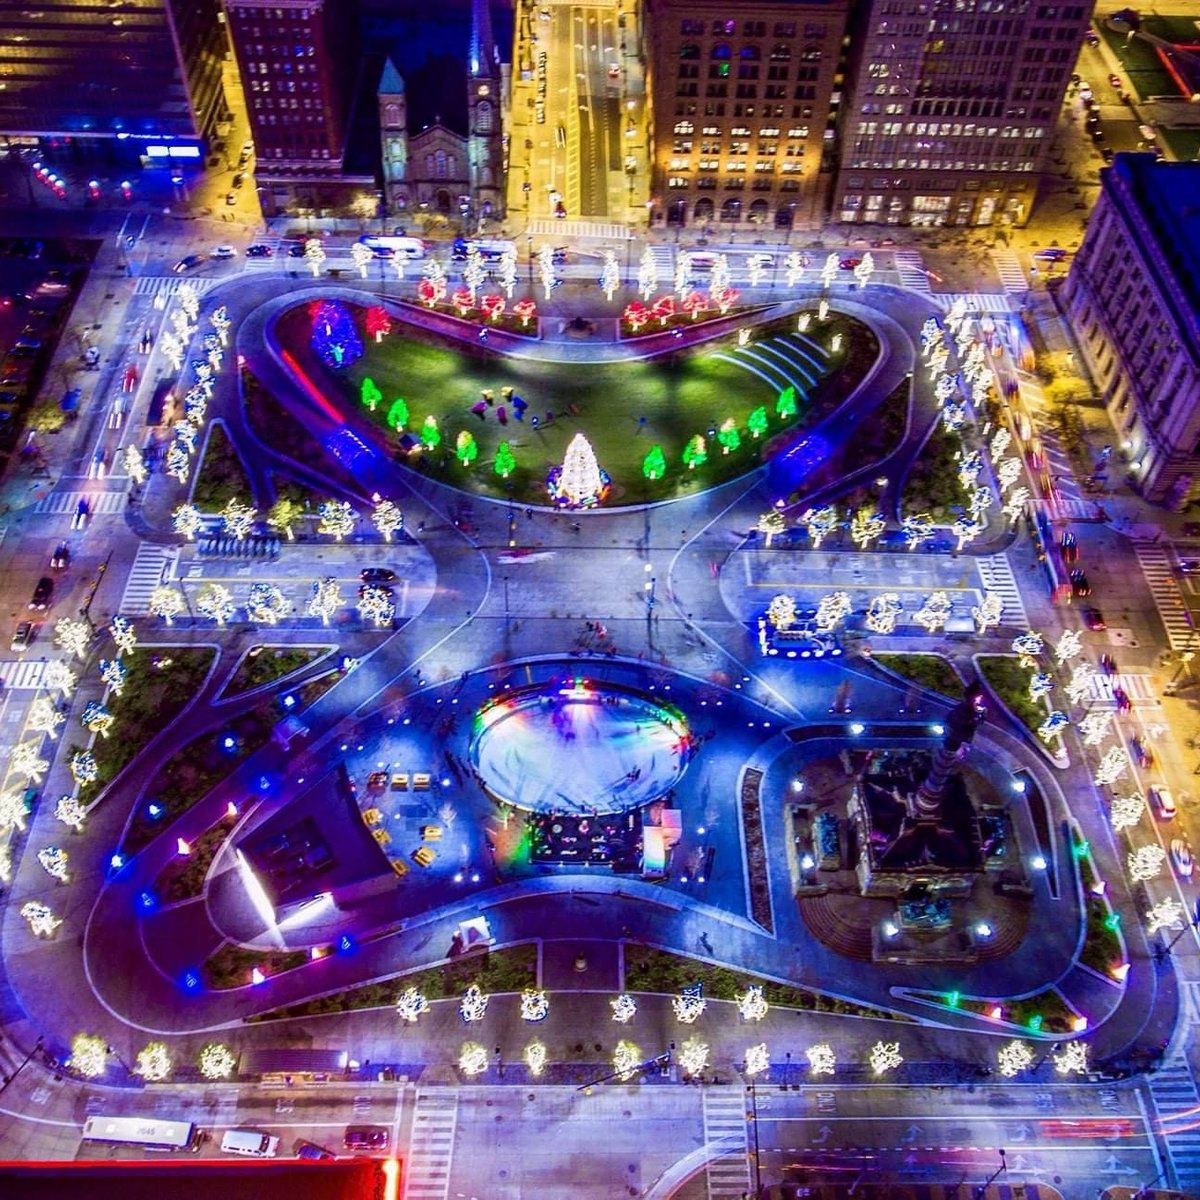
397, 415
505, 462
335, 336
579, 482
654, 465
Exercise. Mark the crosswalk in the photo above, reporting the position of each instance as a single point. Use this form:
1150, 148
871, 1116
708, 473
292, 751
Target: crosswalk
562, 230
1012, 274
168, 285
996, 575
911, 267
431, 1145
1070, 509
146, 573
1173, 1091
22, 675
99, 503
728, 1169
1139, 689
977, 302
1164, 590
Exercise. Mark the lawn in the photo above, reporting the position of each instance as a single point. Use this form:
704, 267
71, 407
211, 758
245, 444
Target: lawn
930, 671
221, 476
265, 664
183, 877
1010, 681
933, 485
1140, 61
625, 409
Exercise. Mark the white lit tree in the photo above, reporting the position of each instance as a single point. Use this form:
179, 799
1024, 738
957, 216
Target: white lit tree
73, 636
1008, 471
917, 528
53, 860
216, 1061
624, 1008
719, 280
579, 480
13, 811
324, 599
1014, 1057
1081, 683
1028, 647
97, 719
1166, 914
1054, 726
172, 348
535, 1005
123, 634
474, 1004
794, 265
41, 918
188, 520
166, 602
1112, 766
647, 274
314, 255
756, 269
830, 269
135, 464
338, 519
24, 759
266, 603
865, 269
185, 434
399, 264
153, 1063
832, 609
411, 1005
752, 1004
885, 1057
610, 274
113, 673
688, 1006
988, 612
237, 519
215, 602
361, 254
388, 518
934, 613
45, 717
693, 1057
535, 1058
179, 463
70, 812
772, 524
508, 270
821, 1059
966, 530
474, 272
84, 768
1146, 862
758, 1059
866, 526
89, 1055
377, 605
1126, 811
221, 323
58, 677
1070, 645
781, 612
1072, 1059
820, 523
1094, 727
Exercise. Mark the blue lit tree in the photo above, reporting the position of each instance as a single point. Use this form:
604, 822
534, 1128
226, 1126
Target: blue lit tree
335, 336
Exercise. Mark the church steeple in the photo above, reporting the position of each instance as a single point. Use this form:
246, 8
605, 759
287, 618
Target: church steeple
481, 54
486, 83
393, 137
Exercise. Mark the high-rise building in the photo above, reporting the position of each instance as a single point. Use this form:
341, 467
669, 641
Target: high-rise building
299, 64
137, 71
1132, 298
743, 109
950, 108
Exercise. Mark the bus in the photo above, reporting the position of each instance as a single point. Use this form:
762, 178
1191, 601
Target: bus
148, 1132
387, 247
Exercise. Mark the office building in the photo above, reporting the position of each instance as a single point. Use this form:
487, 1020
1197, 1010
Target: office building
1132, 298
116, 75
950, 109
299, 65
743, 110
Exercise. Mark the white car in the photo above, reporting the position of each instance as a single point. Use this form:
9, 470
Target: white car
1162, 801
224, 252
1181, 856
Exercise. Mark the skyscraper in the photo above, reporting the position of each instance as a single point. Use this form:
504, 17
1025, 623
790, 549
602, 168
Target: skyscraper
743, 109
950, 108
299, 64
135, 71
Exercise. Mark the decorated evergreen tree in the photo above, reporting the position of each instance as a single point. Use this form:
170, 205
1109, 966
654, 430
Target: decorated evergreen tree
371, 395
756, 422
695, 453
654, 465
505, 462
728, 436
335, 337
580, 480
397, 415
431, 435
785, 406
466, 448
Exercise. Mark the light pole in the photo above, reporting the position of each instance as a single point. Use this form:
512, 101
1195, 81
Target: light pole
1002, 1169
37, 1046
754, 1119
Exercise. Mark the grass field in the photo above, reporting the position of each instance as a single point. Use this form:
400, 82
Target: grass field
624, 409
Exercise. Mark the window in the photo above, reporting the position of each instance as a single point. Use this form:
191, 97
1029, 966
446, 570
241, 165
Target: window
692, 27
720, 27
785, 29
720, 50
689, 50
685, 127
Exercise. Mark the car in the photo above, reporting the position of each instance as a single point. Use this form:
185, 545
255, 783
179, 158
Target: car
60, 560
1106, 153
22, 636
239, 179
560, 210
1085, 90
259, 251
296, 250
1108, 664
98, 467
383, 252
1189, 566
248, 146
1162, 801
1093, 619
1121, 699
848, 264
1080, 585
1115, 80
1097, 133
224, 252
1191, 529
1051, 254
130, 379
365, 1137
1092, 38
311, 1152
1069, 546
147, 341
377, 575
189, 263
231, 197
1142, 754
9, 397
83, 510
614, 70
43, 593
1181, 856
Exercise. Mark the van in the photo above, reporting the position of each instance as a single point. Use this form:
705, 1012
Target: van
250, 1143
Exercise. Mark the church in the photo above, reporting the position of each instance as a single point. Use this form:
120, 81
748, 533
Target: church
436, 174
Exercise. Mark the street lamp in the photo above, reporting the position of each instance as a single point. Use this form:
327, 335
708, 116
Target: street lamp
1001, 1169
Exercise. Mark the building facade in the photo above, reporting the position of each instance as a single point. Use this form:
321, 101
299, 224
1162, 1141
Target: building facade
145, 70
743, 110
951, 107
299, 63
1132, 298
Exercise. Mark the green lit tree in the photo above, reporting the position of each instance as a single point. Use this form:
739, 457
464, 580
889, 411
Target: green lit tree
371, 395
466, 448
728, 436
654, 465
397, 415
756, 422
695, 453
431, 435
505, 463
785, 406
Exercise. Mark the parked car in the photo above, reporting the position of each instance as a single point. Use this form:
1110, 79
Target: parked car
848, 264
231, 197
60, 560
1115, 80
1181, 856
1142, 754
1162, 801
1093, 619
365, 1137
377, 575
22, 636
1050, 254
311, 1152
43, 593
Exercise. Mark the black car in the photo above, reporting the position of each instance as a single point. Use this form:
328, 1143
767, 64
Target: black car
1080, 584
261, 251
1093, 618
296, 250
377, 575
1070, 547
311, 1152
60, 560
1106, 153
365, 1137
188, 262
43, 593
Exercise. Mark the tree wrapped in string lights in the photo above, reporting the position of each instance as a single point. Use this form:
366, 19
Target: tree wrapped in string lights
335, 338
